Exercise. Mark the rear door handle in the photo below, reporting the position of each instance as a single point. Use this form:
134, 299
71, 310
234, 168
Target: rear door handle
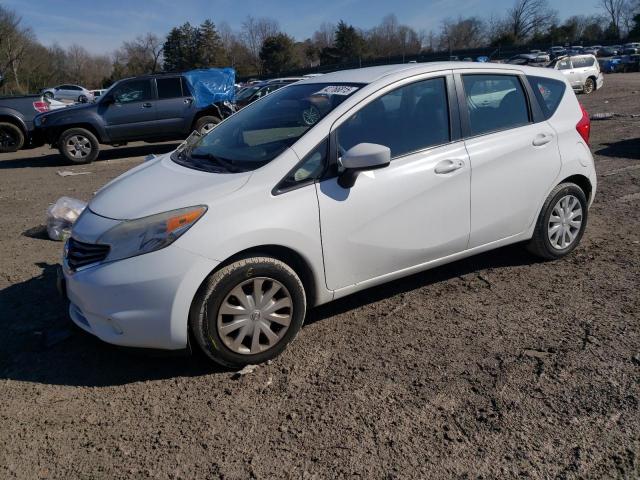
448, 166
542, 139
146, 105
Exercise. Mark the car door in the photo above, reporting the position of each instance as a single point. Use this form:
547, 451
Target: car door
513, 153
565, 67
175, 106
411, 212
62, 92
129, 113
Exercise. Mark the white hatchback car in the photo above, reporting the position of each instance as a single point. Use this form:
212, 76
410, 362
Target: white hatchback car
329, 186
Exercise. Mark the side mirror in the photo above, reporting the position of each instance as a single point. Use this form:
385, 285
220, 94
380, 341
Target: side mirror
364, 156
108, 100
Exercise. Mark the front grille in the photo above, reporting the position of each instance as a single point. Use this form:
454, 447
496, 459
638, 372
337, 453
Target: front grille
80, 254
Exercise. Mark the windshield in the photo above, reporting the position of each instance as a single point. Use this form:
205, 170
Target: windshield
260, 132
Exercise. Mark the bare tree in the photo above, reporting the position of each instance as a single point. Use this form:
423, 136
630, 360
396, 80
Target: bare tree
529, 17
324, 36
462, 33
614, 10
139, 56
254, 32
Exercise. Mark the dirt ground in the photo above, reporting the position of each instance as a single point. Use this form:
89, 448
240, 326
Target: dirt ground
492, 367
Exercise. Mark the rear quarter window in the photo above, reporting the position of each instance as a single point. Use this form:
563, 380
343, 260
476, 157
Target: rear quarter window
548, 92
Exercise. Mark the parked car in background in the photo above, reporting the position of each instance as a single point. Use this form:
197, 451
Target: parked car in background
150, 108
608, 52
582, 72
74, 93
232, 238
256, 91
98, 93
533, 59
557, 51
631, 48
622, 64
16, 121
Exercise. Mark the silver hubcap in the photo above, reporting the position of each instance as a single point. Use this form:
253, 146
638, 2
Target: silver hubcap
255, 315
78, 146
565, 222
206, 128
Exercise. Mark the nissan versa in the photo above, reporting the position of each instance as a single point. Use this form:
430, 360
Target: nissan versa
325, 187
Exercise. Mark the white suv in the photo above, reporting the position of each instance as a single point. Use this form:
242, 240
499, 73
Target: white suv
325, 187
582, 71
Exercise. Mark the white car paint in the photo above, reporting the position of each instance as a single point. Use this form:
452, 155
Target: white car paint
393, 222
578, 73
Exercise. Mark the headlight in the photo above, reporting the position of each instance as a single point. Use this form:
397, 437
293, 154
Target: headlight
148, 234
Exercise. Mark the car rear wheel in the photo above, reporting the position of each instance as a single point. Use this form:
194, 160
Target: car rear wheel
11, 137
589, 86
561, 223
247, 312
79, 145
83, 99
205, 124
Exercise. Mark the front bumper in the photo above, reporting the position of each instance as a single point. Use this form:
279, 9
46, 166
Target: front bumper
142, 301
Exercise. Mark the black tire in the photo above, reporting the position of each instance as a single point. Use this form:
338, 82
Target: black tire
206, 120
49, 95
67, 151
11, 137
589, 86
540, 244
203, 317
83, 99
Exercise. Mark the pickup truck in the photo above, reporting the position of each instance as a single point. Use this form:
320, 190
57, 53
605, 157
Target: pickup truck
151, 108
16, 121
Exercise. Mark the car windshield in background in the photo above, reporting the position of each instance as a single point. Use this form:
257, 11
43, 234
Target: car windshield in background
260, 132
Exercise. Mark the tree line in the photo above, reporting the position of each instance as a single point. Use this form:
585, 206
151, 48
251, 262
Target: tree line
261, 47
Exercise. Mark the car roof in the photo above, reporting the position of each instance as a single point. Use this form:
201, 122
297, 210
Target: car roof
369, 75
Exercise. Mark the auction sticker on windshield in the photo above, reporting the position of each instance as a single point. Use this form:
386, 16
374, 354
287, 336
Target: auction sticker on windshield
337, 90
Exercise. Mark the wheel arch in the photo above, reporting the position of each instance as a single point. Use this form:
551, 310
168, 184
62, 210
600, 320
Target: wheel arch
87, 126
14, 121
583, 182
210, 110
286, 255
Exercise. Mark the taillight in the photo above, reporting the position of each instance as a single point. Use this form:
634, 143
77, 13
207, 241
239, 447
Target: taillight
41, 106
584, 125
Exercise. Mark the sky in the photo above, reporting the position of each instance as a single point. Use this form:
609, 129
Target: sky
102, 25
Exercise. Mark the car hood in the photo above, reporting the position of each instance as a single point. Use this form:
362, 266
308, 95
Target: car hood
161, 185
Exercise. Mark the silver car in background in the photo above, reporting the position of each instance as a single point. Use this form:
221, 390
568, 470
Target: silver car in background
582, 71
75, 93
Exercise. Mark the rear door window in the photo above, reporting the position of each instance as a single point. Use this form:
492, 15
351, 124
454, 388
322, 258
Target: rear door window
495, 102
548, 92
169, 88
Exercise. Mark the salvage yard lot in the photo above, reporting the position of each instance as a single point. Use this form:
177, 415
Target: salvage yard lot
493, 366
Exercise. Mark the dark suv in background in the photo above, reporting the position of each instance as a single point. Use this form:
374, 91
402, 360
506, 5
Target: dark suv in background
149, 108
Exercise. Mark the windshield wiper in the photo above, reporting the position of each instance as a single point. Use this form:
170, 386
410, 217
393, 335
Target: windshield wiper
226, 164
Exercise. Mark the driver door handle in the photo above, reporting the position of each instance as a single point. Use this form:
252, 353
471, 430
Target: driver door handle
448, 166
146, 105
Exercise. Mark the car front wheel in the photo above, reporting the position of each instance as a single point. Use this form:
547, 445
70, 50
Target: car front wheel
79, 145
561, 222
247, 312
205, 124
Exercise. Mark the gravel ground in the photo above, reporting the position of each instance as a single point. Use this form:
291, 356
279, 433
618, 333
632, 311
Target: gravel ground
496, 366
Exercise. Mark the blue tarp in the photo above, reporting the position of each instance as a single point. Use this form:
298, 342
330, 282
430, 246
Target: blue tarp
211, 85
